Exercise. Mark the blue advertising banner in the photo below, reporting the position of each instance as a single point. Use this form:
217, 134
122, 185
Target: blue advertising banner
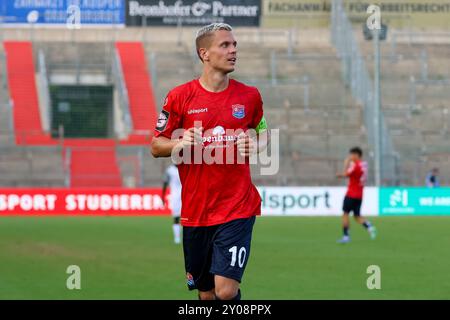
414, 201
63, 12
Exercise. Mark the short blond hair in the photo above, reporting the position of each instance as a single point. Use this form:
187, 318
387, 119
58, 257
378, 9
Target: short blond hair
205, 33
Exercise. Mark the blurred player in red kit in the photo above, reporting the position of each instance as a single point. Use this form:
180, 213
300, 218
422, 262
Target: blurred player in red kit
355, 169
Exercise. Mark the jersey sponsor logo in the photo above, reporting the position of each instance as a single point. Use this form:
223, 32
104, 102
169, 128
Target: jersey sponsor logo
218, 134
162, 120
238, 111
219, 130
398, 197
200, 110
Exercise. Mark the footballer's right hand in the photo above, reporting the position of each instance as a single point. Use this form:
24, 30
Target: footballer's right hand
191, 137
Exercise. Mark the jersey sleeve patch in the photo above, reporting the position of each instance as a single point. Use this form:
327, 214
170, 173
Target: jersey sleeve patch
262, 126
163, 119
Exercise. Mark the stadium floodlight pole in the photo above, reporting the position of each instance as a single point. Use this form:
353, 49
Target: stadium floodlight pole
377, 107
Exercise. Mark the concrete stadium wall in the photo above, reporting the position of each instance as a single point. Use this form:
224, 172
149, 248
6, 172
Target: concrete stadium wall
396, 14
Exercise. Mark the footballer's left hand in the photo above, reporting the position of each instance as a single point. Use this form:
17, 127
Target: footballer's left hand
246, 145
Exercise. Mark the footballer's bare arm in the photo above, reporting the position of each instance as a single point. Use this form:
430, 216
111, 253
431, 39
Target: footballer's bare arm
344, 173
164, 147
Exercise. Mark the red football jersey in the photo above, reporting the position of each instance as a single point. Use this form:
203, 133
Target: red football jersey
357, 173
214, 193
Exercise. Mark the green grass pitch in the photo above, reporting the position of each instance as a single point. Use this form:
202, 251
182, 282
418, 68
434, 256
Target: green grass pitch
291, 258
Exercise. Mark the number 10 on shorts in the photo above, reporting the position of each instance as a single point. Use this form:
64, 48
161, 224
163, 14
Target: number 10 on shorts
240, 256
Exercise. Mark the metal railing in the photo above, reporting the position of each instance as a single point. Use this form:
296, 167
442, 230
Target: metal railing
356, 76
6, 104
152, 63
129, 160
411, 37
119, 83
67, 158
287, 38
45, 91
275, 70
31, 166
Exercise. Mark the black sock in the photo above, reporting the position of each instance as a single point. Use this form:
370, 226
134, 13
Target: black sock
345, 231
367, 224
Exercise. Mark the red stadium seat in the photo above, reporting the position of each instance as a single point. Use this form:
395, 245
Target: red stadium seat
93, 163
22, 86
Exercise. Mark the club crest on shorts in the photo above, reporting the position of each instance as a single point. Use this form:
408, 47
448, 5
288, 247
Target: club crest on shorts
190, 279
238, 111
